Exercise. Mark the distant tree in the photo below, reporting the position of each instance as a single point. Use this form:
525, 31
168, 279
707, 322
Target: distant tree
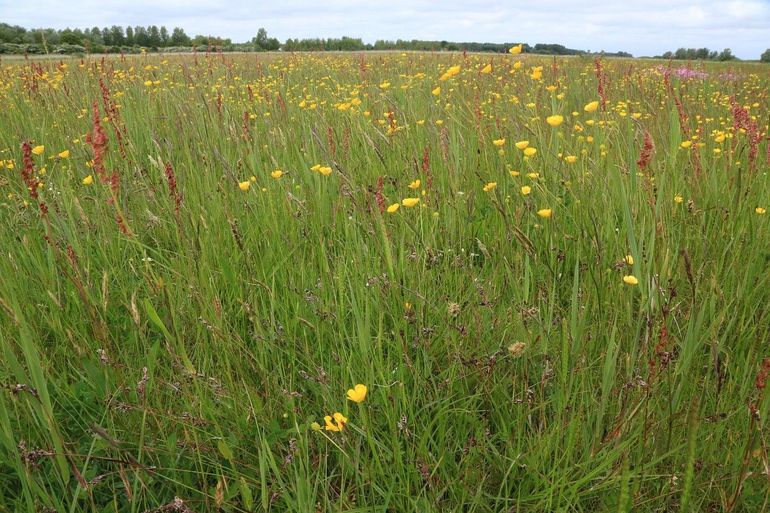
726, 55
69, 37
765, 57
179, 38
164, 39
116, 36
153, 36
260, 41
130, 40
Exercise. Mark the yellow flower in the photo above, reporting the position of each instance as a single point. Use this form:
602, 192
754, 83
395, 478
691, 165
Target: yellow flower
591, 107
316, 167
760, 210
357, 394
498, 142
436, 91
530, 152
148, 83
678, 198
64, 154
88, 180
513, 172
410, 202
545, 213
277, 174
490, 186
454, 70
554, 120
686, 144
571, 159
515, 50
629, 260
244, 186
522, 145
537, 73
325, 170
720, 138
385, 85
393, 208
38, 150
487, 69
525, 190
630, 279
336, 424
415, 184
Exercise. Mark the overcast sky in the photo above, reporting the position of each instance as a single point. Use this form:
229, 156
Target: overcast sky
642, 28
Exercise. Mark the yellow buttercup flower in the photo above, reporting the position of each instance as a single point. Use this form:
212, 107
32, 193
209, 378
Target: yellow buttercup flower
591, 106
678, 198
325, 170
629, 260
686, 144
571, 159
522, 145
515, 50
88, 180
498, 142
38, 150
630, 279
545, 213
357, 394
436, 91
760, 210
64, 154
244, 186
490, 186
554, 120
335, 423
410, 202
277, 174
415, 184
530, 152
452, 71
526, 189
487, 69
393, 208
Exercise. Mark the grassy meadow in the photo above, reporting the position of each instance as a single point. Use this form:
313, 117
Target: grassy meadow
551, 277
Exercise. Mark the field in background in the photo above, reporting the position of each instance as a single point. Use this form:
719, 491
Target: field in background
552, 276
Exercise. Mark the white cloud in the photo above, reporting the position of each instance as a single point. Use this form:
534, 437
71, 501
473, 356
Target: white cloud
647, 28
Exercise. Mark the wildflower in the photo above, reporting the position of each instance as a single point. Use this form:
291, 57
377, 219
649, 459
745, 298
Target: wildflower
452, 71
630, 279
629, 260
515, 50
453, 309
529, 152
545, 213
522, 145
592, 106
571, 159
554, 120
537, 73
316, 167
244, 186
415, 184
410, 202
487, 69
436, 91
148, 83
38, 150
525, 190
760, 210
277, 174
678, 198
514, 173
336, 423
393, 208
490, 186
88, 180
357, 394
686, 144
325, 170
64, 154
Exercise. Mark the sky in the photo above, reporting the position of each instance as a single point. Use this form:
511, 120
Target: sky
641, 28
